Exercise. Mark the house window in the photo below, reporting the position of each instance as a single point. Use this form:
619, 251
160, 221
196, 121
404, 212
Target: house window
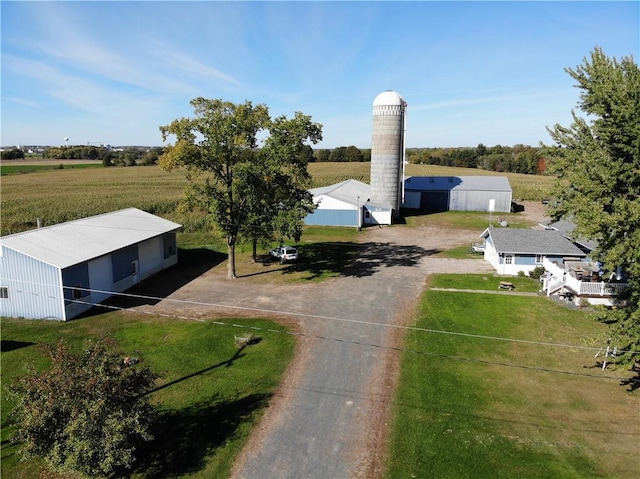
4, 293
539, 258
508, 260
172, 249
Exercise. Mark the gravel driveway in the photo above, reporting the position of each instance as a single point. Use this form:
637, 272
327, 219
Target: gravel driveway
328, 420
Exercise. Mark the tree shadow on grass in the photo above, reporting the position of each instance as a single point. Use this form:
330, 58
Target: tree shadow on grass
7, 345
633, 382
357, 259
186, 437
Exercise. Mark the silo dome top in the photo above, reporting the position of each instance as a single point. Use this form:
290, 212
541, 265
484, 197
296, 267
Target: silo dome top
388, 97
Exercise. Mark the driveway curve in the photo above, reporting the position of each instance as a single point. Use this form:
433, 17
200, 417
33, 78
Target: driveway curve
328, 419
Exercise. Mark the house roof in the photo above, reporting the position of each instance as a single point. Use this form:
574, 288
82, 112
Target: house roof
567, 227
464, 183
348, 191
527, 241
70, 243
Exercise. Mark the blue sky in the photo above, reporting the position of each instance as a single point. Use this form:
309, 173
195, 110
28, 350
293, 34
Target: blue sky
471, 72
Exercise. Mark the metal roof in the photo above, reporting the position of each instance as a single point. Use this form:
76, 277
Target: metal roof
347, 191
70, 243
527, 241
448, 183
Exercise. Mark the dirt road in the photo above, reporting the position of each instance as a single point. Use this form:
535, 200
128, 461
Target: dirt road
329, 418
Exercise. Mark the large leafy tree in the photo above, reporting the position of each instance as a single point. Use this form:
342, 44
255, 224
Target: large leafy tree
597, 160
88, 412
240, 185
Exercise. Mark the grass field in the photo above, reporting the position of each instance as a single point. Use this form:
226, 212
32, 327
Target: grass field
479, 408
210, 393
59, 195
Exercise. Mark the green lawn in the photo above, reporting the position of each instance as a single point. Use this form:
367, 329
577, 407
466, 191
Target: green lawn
489, 282
479, 408
210, 393
22, 169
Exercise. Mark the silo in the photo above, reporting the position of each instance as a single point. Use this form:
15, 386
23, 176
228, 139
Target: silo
387, 150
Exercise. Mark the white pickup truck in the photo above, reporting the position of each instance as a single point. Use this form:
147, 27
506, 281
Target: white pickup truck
284, 253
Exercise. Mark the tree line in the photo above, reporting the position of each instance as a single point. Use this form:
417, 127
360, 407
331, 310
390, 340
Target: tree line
131, 156
516, 159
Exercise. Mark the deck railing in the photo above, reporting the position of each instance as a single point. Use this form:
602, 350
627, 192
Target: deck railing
559, 278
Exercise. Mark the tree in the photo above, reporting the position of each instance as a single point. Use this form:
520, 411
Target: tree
88, 412
13, 154
220, 142
352, 154
338, 154
597, 160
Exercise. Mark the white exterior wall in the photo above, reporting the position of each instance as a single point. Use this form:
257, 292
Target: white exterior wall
151, 256
100, 278
329, 203
498, 262
34, 288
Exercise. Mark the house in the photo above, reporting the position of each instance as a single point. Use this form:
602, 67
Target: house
457, 193
60, 271
347, 204
511, 250
580, 280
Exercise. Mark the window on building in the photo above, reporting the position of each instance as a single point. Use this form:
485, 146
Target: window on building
508, 260
77, 291
4, 293
172, 249
539, 258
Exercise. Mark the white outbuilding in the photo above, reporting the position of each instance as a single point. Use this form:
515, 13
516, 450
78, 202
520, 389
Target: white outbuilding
347, 203
61, 271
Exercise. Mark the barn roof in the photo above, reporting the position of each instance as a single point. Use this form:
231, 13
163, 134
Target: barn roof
527, 241
70, 243
347, 191
447, 183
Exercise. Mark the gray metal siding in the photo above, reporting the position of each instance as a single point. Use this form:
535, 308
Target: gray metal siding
34, 287
461, 200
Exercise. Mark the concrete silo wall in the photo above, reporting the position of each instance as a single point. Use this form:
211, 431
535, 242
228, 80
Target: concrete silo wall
387, 155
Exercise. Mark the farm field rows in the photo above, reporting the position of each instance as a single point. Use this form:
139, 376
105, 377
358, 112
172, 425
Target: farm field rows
67, 194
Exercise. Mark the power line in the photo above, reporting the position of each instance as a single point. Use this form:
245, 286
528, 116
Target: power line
357, 343
316, 316
342, 340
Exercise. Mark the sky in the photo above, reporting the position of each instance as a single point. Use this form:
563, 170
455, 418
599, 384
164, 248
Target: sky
470, 72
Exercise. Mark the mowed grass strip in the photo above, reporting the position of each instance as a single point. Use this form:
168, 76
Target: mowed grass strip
210, 393
486, 282
479, 408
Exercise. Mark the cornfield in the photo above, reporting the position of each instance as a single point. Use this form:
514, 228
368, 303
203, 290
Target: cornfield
57, 196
